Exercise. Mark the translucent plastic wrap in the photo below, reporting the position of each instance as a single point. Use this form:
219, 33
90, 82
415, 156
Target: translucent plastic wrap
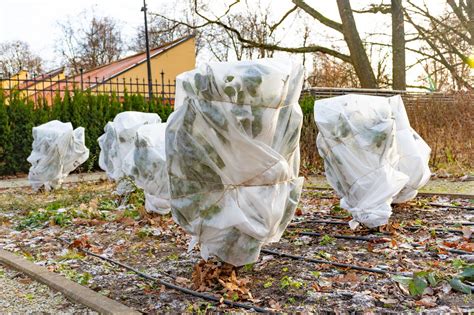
413, 150
371, 155
357, 142
57, 151
119, 139
232, 149
146, 165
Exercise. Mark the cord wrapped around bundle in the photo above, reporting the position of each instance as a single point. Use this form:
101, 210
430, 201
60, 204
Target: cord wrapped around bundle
57, 151
146, 165
232, 149
368, 145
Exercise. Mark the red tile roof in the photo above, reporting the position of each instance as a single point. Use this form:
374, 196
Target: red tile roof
115, 68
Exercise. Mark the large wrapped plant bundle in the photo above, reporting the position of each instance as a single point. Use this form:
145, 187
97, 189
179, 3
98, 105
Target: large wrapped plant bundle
232, 149
119, 139
146, 165
367, 154
413, 150
57, 151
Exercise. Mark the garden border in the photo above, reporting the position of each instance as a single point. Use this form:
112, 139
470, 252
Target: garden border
72, 290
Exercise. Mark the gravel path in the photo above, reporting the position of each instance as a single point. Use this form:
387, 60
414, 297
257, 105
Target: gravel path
20, 294
73, 178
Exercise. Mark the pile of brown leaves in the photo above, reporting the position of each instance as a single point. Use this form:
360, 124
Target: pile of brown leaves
212, 275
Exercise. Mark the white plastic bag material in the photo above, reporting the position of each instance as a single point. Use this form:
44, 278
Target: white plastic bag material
357, 140
119, 139
372, 156
413, 150
57, 151
232, 149
146, 165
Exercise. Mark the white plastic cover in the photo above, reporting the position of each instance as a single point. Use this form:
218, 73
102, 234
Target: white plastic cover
232, 149
119, 139
146, 165
367, 157
57, 151
413, 150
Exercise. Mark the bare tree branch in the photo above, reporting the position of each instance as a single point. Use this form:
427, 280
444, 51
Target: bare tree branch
317, 15
255, 44
376, 8
274, 26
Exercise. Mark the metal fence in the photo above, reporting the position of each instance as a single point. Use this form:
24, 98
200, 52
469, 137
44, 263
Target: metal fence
46, 88
408, 96
39, 88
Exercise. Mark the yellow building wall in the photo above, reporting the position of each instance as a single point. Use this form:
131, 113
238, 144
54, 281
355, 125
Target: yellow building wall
15, 80
172, 62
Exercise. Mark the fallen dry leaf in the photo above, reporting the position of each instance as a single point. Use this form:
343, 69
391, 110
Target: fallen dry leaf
427, 301
467, 232
181, 280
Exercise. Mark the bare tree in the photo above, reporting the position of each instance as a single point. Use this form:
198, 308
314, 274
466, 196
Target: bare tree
160, 31
357, 56
17, 55
97, 43
447, 40
329, 71
398, 46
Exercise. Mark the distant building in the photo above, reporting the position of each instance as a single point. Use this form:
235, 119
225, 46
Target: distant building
125, 75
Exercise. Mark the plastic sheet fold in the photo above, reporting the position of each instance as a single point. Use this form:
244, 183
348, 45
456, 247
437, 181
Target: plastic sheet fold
146, 166
119, 139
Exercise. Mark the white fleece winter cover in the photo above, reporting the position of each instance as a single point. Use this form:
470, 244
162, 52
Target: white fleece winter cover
146, 165
232, 148
372, 156
119, 139
57, 151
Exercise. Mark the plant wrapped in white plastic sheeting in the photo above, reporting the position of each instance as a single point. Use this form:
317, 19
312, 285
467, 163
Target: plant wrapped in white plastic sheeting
57, 151
146, 165
365, 158
119, 139
413, 150
232, 149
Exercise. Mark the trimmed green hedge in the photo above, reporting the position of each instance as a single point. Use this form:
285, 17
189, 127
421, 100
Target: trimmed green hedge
448, 134
18, 116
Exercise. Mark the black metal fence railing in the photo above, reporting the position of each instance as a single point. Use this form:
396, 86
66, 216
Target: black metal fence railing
408, 96
46, 88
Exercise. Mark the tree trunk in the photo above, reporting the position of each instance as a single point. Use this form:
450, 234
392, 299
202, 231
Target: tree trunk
359, 57
470, 15
398, 46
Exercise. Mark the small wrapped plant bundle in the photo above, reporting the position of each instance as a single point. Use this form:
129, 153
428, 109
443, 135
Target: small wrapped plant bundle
232, 149
371, 154
413, 150
119, 139
146, 165
57, 151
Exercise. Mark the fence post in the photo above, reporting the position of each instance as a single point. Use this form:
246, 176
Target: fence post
58, 84
82, 78
162, 85
34, 87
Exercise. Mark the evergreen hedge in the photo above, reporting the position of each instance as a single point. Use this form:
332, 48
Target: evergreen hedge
444, 126
19, 115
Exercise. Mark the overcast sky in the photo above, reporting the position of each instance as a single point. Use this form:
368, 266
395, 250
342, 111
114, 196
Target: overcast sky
35, 21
